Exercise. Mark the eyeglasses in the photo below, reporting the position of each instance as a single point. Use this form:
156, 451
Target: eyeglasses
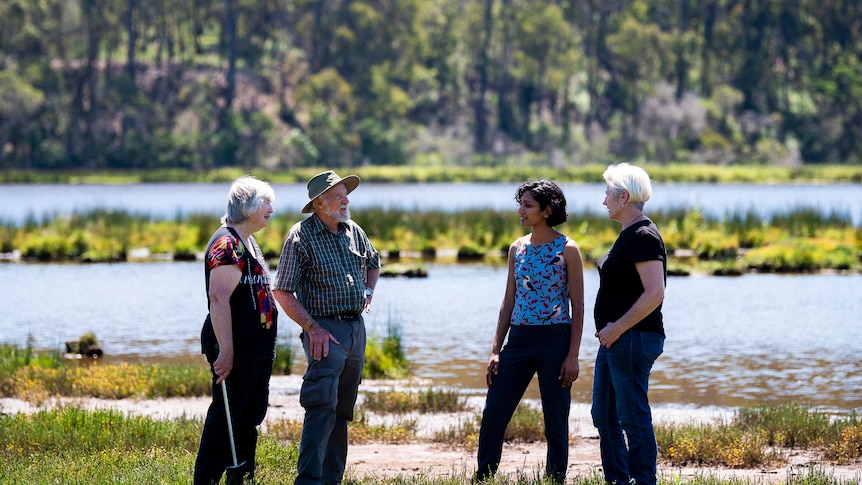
335, 197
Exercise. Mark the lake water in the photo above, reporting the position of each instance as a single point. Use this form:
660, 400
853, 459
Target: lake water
731, 341
17, 202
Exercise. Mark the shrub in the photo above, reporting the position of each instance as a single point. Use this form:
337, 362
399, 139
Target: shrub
386, 358
283, 362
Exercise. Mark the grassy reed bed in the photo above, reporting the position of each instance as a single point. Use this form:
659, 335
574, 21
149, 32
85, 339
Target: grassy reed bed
74, 446
760, 435
799, 240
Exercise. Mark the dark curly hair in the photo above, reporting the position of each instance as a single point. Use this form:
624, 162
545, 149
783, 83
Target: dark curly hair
546, 193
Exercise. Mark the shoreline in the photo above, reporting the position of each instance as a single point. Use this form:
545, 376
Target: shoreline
423, 457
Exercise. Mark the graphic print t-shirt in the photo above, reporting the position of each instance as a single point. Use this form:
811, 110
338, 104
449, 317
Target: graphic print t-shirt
253, 312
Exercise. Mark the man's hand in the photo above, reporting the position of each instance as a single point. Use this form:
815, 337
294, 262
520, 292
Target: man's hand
318, 341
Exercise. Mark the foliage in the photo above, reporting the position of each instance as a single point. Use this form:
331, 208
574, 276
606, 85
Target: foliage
292, 84
795, 425
37, 378
385, 357
283, 363
756, 434
799, 240
115, 381
722, 444
14, 358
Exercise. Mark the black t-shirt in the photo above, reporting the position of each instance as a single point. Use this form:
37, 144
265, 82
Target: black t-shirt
619, 282
254, 317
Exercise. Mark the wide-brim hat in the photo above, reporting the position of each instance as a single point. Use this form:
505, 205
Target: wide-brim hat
320, 183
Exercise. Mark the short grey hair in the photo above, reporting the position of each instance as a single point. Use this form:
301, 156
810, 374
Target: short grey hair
630, 178
245, 197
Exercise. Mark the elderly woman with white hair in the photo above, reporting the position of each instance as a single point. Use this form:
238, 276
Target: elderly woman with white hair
630, 329
239, 333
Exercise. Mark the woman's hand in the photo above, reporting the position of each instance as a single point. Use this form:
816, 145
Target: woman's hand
493, 368
569, 371
223, 365
610, 334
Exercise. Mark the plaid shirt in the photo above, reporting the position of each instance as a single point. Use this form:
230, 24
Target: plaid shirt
326, 271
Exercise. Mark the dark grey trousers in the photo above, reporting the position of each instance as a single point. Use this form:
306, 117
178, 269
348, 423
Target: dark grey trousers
328, 394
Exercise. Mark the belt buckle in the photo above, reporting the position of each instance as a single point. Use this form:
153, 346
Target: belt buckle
348, 317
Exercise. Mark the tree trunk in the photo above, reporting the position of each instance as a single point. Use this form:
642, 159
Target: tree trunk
130, 27
480, 143
230, 34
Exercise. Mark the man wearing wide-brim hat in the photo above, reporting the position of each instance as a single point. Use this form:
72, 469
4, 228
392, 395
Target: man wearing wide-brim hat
326, 277
323, 182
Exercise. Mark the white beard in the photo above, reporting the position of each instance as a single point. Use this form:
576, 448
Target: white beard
338, 216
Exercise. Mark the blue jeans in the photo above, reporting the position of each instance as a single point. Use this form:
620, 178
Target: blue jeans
328, 394
620, 404
530, 350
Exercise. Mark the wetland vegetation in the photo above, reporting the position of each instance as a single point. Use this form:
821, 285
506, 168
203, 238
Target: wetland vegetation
798, 241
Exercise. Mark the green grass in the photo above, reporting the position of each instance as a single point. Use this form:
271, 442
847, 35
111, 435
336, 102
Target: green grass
526, 426
428, 401
74, 446
37, 378
70, 445
755, 436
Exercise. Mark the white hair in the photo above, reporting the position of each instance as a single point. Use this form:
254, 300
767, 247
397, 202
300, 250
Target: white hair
630, 178
245, 197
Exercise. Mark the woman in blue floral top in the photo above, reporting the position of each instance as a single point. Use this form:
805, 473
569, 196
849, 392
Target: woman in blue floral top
543, 315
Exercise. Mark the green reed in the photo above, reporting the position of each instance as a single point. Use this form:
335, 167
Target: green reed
385, 356
283, 363
799, 240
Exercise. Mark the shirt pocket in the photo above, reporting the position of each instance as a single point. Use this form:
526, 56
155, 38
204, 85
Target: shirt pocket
360, 259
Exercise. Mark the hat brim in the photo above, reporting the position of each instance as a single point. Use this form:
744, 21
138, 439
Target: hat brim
350, 182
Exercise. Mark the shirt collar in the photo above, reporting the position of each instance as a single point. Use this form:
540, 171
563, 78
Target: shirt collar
320, 227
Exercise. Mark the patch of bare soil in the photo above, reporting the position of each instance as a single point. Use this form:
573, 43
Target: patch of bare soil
424, 458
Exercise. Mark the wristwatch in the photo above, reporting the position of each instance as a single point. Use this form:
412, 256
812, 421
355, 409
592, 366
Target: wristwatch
369, 292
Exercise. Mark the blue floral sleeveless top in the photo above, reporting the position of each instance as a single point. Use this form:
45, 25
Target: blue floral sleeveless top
541, 284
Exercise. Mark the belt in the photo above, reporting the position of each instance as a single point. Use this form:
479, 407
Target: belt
345, 317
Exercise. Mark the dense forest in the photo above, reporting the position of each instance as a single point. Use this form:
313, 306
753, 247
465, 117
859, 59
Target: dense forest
280, 84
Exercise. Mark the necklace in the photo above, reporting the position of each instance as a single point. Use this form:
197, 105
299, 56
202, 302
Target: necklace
637, 219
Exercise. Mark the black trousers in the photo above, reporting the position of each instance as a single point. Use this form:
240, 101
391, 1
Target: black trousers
248, 396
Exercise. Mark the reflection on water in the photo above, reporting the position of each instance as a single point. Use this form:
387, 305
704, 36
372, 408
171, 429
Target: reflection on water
731, 341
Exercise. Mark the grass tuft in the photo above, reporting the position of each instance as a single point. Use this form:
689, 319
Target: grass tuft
428, 401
